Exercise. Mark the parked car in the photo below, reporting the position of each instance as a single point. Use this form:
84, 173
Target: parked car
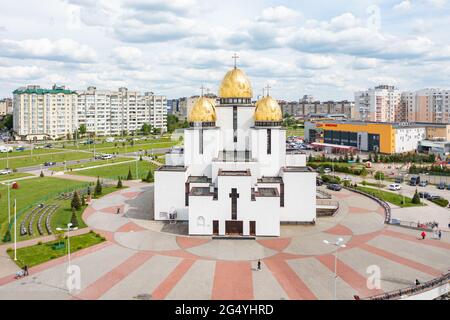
334, 187
326, 170
5, 171
5, 149
398, 180
107, 156
424, 195
448, 186
432, 197
319, 182
346, 178
48, 146
423, 183
414, 181
442, 186
395, 187
49, 163
20, 149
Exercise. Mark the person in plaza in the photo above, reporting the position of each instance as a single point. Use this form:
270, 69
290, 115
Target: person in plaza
25, 270
417, 282
118, 210
423, 234
440, 234
259, 265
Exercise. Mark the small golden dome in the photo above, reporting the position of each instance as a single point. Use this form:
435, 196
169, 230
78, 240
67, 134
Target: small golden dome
235, 84
203, 110
267, 109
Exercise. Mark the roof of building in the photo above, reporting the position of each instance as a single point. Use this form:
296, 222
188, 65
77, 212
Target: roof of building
172, 168
396, 125
267, 192
235, 84
198, 179
297, 169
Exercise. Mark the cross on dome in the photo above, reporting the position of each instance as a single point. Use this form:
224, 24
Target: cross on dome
268, 87
202, 88
235, 57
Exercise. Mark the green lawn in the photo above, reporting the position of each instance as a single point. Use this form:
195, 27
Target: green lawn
300, 132
14, 176
137, 147
26, 153
40, 159
29, 193
390, 197
40, 253
92, 163
116, 170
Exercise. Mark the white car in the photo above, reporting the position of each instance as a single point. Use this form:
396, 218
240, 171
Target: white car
107, 156
395, 187
327, 170
346, 179
5, 171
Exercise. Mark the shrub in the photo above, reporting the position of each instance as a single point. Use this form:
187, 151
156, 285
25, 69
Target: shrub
39, 243
42, 174
73, 218
76, 202
9, 250
379, 175
441, 202
119, 183
416, 198
98, 188
83, 200
130, 176
7, 236
149, 177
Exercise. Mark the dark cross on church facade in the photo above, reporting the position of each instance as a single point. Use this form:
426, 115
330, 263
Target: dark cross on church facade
235, 57
234, 196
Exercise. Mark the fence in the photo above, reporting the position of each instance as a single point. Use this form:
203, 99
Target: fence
396, 294
330, 207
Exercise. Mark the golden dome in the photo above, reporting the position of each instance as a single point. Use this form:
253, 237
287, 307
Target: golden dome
267, 109
235, 84
203, 110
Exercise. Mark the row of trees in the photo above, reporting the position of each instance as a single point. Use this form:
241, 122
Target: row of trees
403, 157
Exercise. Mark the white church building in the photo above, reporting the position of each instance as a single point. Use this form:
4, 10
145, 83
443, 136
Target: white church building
233, 176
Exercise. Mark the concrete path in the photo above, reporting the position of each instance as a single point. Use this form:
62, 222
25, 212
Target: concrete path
145, 258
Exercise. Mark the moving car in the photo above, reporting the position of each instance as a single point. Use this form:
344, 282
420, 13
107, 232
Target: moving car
395, 187
346, 178
424, 195
5, 171
49, 163
20, 149
334, 187
5, 149
423, 183
106, 156
326, 170
442, 186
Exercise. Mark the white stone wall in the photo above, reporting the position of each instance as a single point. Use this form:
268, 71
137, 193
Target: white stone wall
170, 194
407, 139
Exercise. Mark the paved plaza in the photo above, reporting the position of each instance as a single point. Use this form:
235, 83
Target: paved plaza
146, 259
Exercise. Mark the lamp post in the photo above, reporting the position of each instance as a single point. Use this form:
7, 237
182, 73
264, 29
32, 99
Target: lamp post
68, 229
338, 244
9, 200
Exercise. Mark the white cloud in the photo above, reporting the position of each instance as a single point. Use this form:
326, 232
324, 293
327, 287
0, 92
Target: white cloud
60, 50
316, 61
278, 14
364, 63
403, 6
21, 72
127, 55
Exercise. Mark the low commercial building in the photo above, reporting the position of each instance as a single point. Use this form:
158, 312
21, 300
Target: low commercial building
438, 148
384, 137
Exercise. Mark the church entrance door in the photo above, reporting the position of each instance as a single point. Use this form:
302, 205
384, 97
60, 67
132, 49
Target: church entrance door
234, 227
215, 227
252, 228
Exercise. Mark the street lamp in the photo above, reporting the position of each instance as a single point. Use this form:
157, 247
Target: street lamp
68, 229
9, 199
338, 244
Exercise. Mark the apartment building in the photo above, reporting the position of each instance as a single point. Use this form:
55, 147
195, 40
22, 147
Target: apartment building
44, 113
6, 107
106, 112
427, 105
380, 104
308, 107
182, 106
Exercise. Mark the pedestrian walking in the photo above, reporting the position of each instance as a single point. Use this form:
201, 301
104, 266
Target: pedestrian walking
423, 234
259, 265
440, 234
118, 210
25, 270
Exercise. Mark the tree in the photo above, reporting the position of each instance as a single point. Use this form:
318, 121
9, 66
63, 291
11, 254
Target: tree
130, 176
7, 236
364, 172
83, 200
42, 174
416, 198
98, 188
82, 129
76, 202
73, 218
119, 183
149, 177
146, 129
379, 175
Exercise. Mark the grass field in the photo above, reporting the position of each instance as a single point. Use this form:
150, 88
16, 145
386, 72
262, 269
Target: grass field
31, 191
40, 253
300, 132
27, 153
92, 164
13, 176
390, 197
40, 159
118, 170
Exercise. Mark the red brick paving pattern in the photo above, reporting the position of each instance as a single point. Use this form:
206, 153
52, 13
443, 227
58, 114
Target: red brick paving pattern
294, 287
429, 242
130, 227
172, 279
339, 229
188, 242
275, 244
353, 209
233, 281
98, 288
349, 275
404, 261
130, 195
112, 209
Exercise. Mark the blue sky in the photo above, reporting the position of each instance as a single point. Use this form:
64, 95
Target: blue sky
328, 49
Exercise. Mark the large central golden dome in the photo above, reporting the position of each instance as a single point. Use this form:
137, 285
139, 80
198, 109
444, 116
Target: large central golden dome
203, 110
235, 84
267, 109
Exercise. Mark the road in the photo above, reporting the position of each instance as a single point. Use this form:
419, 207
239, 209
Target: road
72, 162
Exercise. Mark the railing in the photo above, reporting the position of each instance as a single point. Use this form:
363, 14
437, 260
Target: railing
396, 294
322, 194
334, 207
384, 204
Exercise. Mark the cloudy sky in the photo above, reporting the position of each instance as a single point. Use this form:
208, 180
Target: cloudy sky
328, 49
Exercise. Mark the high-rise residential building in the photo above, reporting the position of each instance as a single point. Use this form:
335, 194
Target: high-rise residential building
427, 105
44, 113
5, 106
307, 107
380, 104
106, 112
184, 105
